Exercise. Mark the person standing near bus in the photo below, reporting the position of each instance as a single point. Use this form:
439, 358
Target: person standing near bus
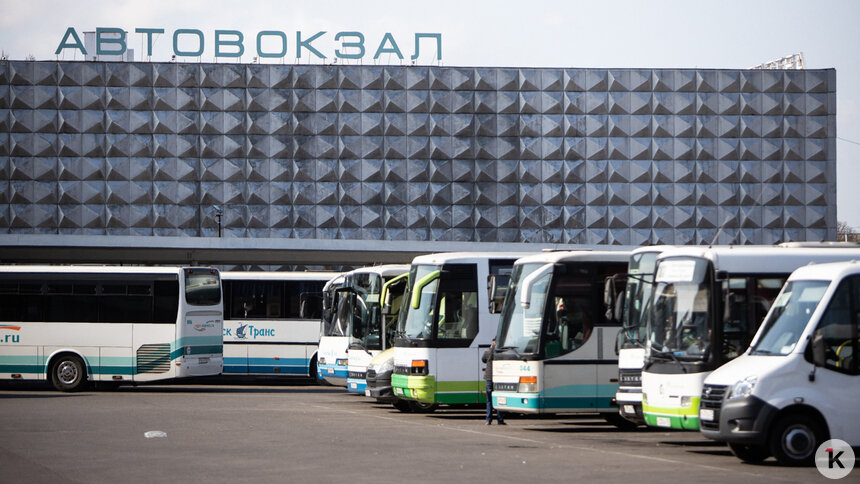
488, 375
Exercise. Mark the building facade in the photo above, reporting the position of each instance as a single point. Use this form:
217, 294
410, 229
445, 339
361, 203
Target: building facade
548, 155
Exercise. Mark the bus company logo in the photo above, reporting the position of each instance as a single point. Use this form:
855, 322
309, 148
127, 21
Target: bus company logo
201, 327
240, 331
10, 338
834, 459
245, 331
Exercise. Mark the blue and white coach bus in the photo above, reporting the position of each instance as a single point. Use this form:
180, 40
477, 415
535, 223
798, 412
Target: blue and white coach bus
271, 322
73, 325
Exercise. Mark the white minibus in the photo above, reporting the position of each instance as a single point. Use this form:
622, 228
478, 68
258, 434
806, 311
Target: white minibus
798, 385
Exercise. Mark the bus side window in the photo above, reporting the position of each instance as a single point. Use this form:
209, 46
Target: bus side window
839, 328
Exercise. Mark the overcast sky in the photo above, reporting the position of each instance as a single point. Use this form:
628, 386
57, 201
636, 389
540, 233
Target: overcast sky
570, 33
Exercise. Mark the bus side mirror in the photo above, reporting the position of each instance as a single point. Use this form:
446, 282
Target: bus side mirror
609, 297
819, 355
728, 305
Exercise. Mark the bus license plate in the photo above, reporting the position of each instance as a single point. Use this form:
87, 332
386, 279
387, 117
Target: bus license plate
366, 393
664, 422
503, 400
202, 361
706, 414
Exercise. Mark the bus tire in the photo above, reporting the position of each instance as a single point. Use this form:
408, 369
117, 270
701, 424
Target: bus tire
403, 406
314, 372
794, 439
749, 452
619, 422
421, 407
68, 373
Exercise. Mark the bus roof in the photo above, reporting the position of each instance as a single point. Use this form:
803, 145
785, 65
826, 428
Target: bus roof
278, 276
763, 259
466, 257
383, 270
576, 255
652, 248
830, 271
94, 269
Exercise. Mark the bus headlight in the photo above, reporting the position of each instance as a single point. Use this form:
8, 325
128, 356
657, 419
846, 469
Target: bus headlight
322, 360
528, 384
341, 362
419, 368
686, 401
742, 388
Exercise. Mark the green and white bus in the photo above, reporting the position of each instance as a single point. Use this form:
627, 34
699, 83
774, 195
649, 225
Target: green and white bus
708, 303
73, 325
631, 309
450, 320
555, 348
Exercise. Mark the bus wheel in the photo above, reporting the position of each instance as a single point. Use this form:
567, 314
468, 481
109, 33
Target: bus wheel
421, 407
403, 406
619, 422
794, 439
68, 374
749, 452
315, 374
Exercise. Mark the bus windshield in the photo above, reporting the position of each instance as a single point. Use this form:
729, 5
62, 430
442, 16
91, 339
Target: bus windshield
519, 328
788, 318
637, 298
418, 323
364, 317
679, 328
202, 287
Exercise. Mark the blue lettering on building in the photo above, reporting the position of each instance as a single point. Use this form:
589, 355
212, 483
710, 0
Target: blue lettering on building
231, 43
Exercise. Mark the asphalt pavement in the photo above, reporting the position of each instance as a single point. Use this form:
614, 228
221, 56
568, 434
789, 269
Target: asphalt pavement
288, 432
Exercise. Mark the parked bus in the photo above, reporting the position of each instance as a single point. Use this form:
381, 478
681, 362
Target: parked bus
333, 339
799, 383
271, 322
73, 325
555, 346
708, 303
451, 318
370, 331
630, 310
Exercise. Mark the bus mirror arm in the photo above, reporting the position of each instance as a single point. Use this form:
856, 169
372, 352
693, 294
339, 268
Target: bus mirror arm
529, 282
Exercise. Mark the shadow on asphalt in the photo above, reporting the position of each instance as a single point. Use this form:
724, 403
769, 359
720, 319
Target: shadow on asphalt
226, 385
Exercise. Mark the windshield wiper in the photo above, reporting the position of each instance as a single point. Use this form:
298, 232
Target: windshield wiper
671, 356
360, 345
762, 352
514, 350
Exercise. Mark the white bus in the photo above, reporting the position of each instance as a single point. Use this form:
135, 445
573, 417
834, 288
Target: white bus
708, 303
360, 307
451, 318
799, 383
555, 351
271, 322
631, 309
331, 361
73, 325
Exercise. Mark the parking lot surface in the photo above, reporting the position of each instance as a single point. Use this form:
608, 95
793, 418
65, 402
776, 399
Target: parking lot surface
304, 433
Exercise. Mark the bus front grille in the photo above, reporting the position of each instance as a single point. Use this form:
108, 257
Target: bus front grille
153, 358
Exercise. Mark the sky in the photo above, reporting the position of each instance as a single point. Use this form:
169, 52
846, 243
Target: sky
569, 33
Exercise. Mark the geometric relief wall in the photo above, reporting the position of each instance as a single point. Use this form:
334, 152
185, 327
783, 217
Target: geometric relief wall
582, 156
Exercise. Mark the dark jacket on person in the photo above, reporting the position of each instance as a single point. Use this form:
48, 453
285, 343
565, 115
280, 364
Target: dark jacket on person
488, 359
